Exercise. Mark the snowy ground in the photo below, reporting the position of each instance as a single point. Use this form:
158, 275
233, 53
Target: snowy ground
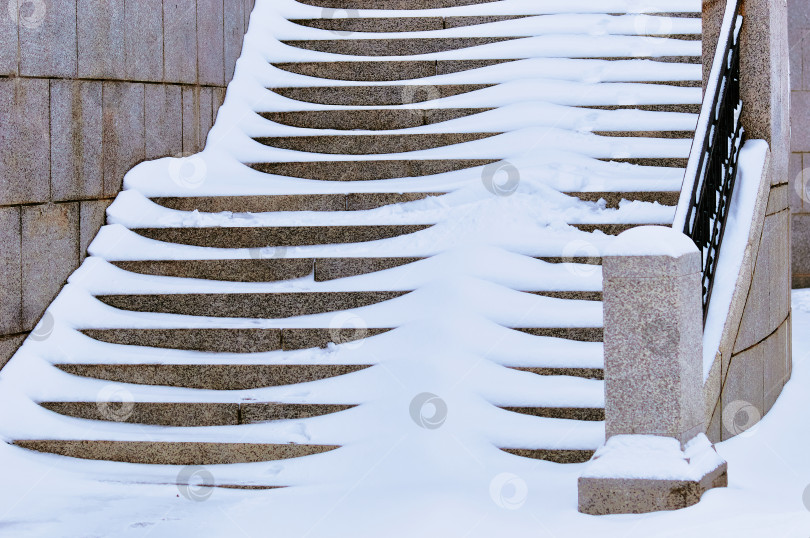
455, 487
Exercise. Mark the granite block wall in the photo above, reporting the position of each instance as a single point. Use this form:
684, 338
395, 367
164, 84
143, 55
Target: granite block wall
799, 43
88, 89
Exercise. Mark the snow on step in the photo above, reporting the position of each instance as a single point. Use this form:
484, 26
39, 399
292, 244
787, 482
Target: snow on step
413, 202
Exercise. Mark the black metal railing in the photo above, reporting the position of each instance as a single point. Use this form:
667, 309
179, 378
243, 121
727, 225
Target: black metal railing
714, 160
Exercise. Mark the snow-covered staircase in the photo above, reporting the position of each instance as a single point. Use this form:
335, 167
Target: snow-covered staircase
417, 205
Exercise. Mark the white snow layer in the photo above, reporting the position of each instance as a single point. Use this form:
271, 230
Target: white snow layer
654, 458
452, 335
735, 242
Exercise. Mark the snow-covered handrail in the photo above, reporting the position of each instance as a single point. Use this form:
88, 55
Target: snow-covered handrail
712, 167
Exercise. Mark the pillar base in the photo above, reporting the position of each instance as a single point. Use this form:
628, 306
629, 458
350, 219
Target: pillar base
636, 474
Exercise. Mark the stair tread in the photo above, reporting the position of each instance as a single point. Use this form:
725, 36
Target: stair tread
173, 453
284, 236
248, 305
211, 376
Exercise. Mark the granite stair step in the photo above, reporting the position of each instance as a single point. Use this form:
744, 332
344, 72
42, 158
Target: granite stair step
367, 170
589, 414
233, 340
376, 95
586, 373
211, 376
249, 305
172, 453
668, 198
348, 25
368, 120
383, 70
370, 144
584, 260
581, 334
680, 108
669, 135
556, 456
607, 229
662, 162
282, 236
191, 414
394, 47
571, 295
267, 269
292, 202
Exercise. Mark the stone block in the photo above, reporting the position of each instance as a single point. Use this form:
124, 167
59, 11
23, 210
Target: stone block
101, 39
9, 45
219, 99
602, 496
180, 41
804, 47
755, 323
765, 87
743, 392
25, 160
210, 42
777, 199
798, 15
636, 474
234, 21
796, 56
92, 217
197, 117
10, 271
653, 342
206, 113
775, 360
9, 346
50, 252
780, 269
712, 389
143, 39
123, 132
798, 184
163, 120
76, 140
48, 39
800, 252
800, 126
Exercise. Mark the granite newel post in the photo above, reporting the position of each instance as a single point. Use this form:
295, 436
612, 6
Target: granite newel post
656, 455
653, 335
